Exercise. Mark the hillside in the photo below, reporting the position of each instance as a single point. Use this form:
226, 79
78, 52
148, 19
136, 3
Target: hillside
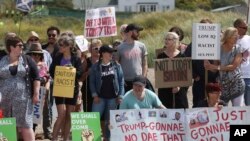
155, 25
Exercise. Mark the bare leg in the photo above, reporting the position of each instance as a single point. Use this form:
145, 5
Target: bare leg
27, 134
59, 124
69, 109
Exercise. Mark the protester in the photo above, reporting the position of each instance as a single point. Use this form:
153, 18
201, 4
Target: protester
122, 32
140, 97
94, 58
132, 55
175, 97
106, 85
65, 105
3, 51
34, 38
244, 43
233, 85
182, 47
213, 96
47, 120
16, 71
198, 72
36, 53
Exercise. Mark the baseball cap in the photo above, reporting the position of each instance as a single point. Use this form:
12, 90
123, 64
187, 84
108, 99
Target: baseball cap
140, 80
132, 26
106, 48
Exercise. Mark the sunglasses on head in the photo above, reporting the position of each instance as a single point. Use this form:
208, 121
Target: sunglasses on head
51, 35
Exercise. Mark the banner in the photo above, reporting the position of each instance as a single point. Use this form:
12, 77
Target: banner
148, 125
100, 22
8, 129
173, 72
38, 107
197, 124
85, 126
206, 41
64, 81
24, 5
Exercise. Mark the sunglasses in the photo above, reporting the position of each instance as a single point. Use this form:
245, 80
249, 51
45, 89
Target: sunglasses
35, 54
32, 40
62, 45
95, 49
51, 35
243, 27
19, 45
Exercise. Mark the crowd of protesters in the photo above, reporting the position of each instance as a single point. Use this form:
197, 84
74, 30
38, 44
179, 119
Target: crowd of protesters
110, 77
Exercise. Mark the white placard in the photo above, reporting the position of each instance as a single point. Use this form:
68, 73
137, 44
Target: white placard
206, 41
82, 43
100, 22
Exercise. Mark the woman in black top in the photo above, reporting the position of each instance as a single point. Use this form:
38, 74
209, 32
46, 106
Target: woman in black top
180, 93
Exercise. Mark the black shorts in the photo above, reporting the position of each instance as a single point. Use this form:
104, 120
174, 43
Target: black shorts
66, 101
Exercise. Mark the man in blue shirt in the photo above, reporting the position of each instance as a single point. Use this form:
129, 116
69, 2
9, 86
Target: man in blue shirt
140, 97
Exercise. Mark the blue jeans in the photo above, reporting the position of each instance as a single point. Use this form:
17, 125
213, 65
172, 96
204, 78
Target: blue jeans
104, 107
247, 91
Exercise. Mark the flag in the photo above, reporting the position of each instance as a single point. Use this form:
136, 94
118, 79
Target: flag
24, 5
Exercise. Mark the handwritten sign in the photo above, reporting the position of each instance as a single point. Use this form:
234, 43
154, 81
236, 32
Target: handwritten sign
86, 126
8, 129
147, 125
214, 124
197, 124
206, 41
100, 22
172, 72
64, 81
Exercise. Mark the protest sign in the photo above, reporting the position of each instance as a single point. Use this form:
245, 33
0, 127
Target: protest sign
206, 41
147, 125
173, 72
8, 129
212, 124
38, 107
197, 124
100, 22
85, 126
82, 43
64, 82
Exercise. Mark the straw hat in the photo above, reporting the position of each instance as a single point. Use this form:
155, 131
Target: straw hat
33, 34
